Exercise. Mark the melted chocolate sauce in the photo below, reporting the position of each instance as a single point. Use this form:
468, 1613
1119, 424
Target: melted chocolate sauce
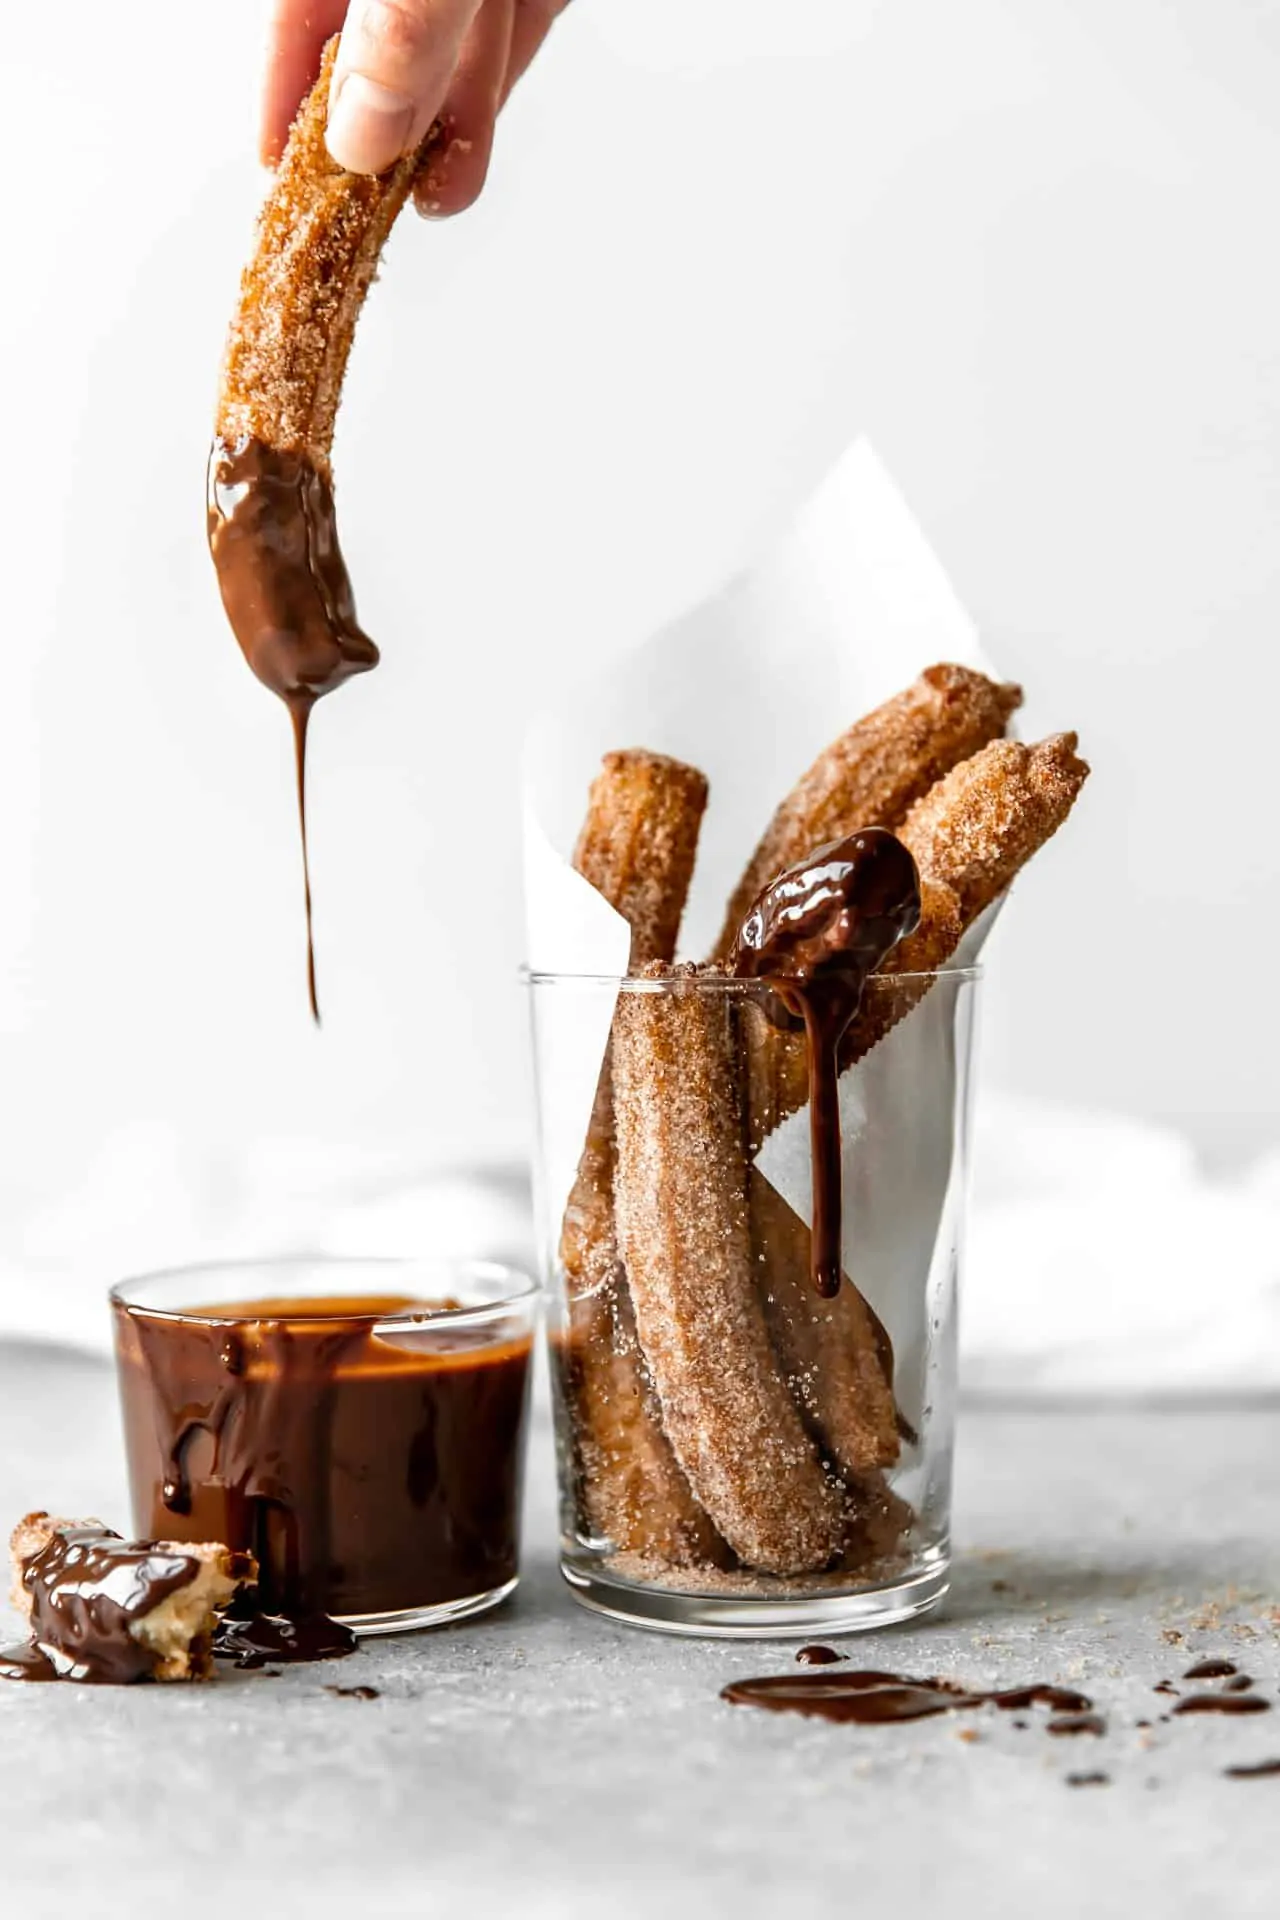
255, 1639
286, 590
354, 1693
874, 1699
26, 1661
1260, 1770
1164, 1686
1238, 1683
1210, 1670
1223, 1703
814, 937
88, 1587
366, 1473
819, 1657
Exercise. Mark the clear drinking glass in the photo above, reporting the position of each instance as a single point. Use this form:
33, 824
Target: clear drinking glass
737, 1454
357, 1425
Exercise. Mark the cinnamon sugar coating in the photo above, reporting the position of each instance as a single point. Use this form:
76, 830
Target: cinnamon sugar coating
980, 824
971, 836
637, 848
320, 236
683, 1234
875, 772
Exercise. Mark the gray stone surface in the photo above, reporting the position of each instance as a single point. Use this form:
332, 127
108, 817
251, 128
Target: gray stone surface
548, 1763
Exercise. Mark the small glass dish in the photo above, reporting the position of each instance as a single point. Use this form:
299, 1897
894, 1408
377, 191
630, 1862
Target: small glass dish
357, 1425
739, 1455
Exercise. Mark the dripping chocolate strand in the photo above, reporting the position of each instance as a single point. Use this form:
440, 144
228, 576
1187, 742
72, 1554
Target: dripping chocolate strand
813, 939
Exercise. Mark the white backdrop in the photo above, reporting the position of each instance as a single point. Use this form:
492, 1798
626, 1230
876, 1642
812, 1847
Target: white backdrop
1029, 249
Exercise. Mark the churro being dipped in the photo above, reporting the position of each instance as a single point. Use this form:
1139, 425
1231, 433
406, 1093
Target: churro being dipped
270, 508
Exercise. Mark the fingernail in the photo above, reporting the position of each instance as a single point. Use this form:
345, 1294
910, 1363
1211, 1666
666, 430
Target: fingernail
369, 126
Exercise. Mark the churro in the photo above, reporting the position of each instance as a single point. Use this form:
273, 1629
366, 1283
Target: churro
680, 1194
637, 848
105, 1609
970, 837
272, 531
875, 772
320, 236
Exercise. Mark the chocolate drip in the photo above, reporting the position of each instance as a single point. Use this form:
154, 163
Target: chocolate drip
88, 1587
814, 938
819, 1657
1213, 1669
366, 1473
873, 1699
286, 590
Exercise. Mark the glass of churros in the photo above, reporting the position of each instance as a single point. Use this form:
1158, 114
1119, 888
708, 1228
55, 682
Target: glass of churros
752, 1243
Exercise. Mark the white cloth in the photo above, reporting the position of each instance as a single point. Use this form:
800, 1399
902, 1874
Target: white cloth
1101, 1259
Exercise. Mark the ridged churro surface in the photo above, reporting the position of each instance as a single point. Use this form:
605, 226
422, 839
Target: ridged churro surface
875, 772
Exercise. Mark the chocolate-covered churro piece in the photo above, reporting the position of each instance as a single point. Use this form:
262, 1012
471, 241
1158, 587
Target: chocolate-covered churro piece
110, 1610
680, 1191
874, 773
637, 848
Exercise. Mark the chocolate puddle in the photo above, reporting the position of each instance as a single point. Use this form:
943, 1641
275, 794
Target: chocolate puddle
819, 1657
1223, 1703
869, 1698
1215, 1669
813, 939
249, 1640
26, 1661
1071, 1723
286, 590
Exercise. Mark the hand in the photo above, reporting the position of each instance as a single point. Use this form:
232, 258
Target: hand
400, 64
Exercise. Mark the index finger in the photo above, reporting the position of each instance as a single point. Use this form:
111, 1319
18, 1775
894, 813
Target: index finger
296, 34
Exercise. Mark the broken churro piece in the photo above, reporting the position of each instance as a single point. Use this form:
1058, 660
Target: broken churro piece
683, 1236
110, 1610
873, 774
637, 848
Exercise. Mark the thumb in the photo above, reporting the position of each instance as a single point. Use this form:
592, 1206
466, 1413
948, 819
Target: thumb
395, 61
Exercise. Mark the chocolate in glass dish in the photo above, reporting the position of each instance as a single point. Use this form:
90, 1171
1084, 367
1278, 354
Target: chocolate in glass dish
743, 1446
366, 1449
